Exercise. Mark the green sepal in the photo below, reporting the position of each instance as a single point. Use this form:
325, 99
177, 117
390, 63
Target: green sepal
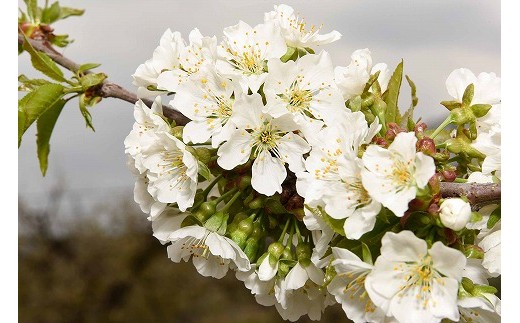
450, 105
480, 110
290, 54
355, 104
371, 81
336, 225
494, 217
83, 103
467, 97
45, 125
391, 97
407, 119
204, 170
217, 223
367, 255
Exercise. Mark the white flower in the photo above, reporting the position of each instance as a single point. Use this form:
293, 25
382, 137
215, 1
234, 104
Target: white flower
294, 29
392, 176
348, 287
305, 90
483, 309
212, 253
270, 140
200, 51
455, 213
245, 50
351, 80
165, 57
148, 123
322, 234
145, 200
414, 283
207, 99
173, 172
486, 86
490, 144
166, 223
490, 242
263, 290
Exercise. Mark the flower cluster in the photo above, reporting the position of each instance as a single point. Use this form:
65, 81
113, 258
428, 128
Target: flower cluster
307, 181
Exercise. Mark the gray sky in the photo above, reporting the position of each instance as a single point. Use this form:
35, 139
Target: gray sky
433, 37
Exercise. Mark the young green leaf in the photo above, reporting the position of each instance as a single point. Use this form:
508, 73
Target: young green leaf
89, 80
494, 218
88, 66
51, 14
43, 63
21, 125
67, 12
392, 95
45, 125
35, 103
28, 84
32, 9
407, 118
84, 111
60, 40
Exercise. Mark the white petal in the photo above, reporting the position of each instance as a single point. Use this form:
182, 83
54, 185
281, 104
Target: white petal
268, 173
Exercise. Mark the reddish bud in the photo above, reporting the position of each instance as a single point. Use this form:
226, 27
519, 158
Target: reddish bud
433, 209
393, 130
449, 175
426, 145
380, 141
420, 128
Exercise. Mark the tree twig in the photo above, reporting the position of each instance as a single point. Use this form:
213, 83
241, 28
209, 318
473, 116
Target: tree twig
477, 194
108, 89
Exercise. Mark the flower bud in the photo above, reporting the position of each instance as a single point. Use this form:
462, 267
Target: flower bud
420, 128
393, 130
455, 213
426, 145
203, 154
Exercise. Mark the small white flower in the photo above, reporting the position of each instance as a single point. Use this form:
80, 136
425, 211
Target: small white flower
486, 86
348, 287
490, 242
212, 253
414, 283
295, 30
392, 176
455, 213
166, 223
305, 90
207, 99
351, 80
148, 123
172, 172
270, 141
245, 50
200, 51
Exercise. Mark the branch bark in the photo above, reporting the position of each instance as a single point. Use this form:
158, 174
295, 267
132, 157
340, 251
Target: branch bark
108, 89
477, 194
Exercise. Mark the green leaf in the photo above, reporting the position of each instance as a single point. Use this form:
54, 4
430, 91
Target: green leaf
88, 66
45, 125
204, 170
367, 255
371, 81
21, 125
494, 218
83, 102
51, 14
60, 40
408, 115
35, 103
32, 8
89, 80
43, 63
67, 12
392, 95
28, 84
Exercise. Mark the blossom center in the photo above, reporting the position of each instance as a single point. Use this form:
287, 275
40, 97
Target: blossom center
266, 139
419, 280
401, 173
249, 61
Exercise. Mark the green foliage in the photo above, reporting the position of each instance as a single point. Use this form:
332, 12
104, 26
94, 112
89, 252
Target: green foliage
391, 95
43, 63
45, 125
407, 119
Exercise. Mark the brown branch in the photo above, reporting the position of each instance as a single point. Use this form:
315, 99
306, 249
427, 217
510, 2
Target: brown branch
477, 194
108, 89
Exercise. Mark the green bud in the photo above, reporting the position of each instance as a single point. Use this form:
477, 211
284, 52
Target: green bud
276, 250
239, 237
283, 268
462, 116
203, 154
468, 285
257, 203
480, 110
473, 251
177, 132
287, 253
273, 222
258, 232
201, 216
245, 182
303, 252
274, 206
246, 226
208, 208
251, 248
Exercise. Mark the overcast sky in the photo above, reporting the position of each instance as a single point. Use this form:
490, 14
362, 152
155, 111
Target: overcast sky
433, 37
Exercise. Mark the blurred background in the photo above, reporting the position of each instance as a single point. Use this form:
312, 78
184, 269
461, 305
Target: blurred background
86, 253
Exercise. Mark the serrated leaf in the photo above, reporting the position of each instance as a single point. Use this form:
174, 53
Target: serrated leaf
36, 102
89, 80
43, 63
204, 170
88, 66
392, 95
67, 12
367, 255
84, 111
51, 14
45, 126
407, 118
21, 125
28, 84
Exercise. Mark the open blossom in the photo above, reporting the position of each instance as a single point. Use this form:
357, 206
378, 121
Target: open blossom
485, 308
296, 31
490, 242
490, 144
212, 253
414, 283
348, 287
487, 86
392, 176
148, 123
245, 50
351, 80
166, 223
305, 90
269, 140
172, 172
201, 50
207, 99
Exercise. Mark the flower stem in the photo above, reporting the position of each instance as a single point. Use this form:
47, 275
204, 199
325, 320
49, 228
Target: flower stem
284, 230
233, 199
442, 126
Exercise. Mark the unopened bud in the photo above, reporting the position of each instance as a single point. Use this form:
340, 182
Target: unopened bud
426, 145
203, 154
393, 130
420, 128
455, 213
449, 175
462, 116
